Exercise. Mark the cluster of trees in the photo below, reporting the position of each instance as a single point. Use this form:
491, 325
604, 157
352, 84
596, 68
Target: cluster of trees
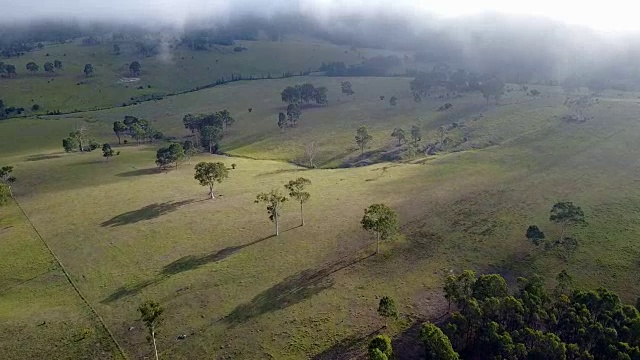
275, 199
304, 94
296, 97
347, 88
440, 77
209, 129
79, 140
564, 213
170, 155
532, 323
399, 134
6, 111
49, 67
139, 129
291, 118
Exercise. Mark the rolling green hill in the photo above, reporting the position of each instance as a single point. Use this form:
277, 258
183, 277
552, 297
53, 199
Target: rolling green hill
128, 233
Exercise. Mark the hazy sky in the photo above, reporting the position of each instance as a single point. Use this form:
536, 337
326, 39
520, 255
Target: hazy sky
611, 15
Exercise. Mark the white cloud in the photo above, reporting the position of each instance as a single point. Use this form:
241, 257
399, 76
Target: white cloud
612, 15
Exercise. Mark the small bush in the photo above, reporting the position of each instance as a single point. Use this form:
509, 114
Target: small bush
35, 107
233, 166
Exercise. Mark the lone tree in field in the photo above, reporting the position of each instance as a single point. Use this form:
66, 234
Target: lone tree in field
208, 173
119, 128
274, 200
437, 344
33, 67
7, 178
48, 67
393, 101
57, 64
151, 315
566, 214
416, 134
347, 88
282, 121
362, 138
88, 70
107, 151
310, 151
135, 68
381, 344
296, 191
535, 235
380, 219
387, 309
398, 133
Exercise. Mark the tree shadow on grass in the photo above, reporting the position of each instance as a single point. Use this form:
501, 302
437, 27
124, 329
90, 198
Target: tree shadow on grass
350, 348
407, 345
290, 291
146, 213
185, 263
139, 172
39, 157
124, 291
192, 262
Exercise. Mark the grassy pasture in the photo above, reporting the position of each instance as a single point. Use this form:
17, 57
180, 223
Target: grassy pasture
41, 315
178, 69
256, 134
127, 233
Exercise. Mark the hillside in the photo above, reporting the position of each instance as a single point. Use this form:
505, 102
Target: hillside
173, 69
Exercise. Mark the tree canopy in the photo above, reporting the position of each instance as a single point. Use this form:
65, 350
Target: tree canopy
398, 133
566, 214
304, 94
208, 173
380, 219
172, 154
532, 324
363, 137
297, 192
274, 201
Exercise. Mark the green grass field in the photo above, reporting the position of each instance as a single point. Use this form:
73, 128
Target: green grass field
177, 70
126, 233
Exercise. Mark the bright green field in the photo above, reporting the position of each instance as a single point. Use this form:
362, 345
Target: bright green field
127, 234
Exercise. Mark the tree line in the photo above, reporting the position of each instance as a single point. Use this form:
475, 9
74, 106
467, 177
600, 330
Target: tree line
530, 323
440, 77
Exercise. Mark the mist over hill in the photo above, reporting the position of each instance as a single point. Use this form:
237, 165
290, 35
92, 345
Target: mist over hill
516, 47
